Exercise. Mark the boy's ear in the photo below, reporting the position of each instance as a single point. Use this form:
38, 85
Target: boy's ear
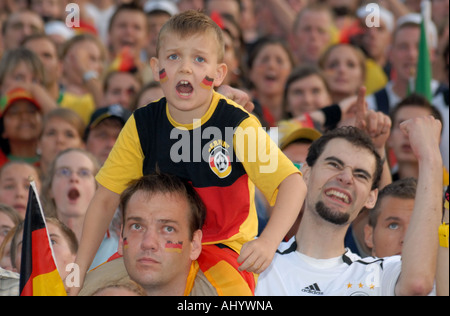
154, 64
221, 73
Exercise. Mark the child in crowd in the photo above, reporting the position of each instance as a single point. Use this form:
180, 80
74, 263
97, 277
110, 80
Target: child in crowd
189, 65
64, 245
20, 125
15, 182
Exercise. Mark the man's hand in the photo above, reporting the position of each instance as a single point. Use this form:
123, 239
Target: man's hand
424, 135
238, 96
376, 124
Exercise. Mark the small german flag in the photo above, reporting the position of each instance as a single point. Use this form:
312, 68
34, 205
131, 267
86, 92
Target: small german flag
163, 76
38, 273
207, 83
174, 247
124, 61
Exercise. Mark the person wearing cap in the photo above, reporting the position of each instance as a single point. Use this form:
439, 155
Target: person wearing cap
20, 125
377, 38
103, 129
296, 137
157, 12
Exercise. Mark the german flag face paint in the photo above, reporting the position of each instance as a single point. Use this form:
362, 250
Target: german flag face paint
125, 244
174, 247
207, 83
163, 76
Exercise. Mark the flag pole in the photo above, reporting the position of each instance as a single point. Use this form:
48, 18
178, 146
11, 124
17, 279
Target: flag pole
423, 72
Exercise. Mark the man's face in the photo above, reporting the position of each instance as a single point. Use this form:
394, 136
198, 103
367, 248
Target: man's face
339, 184
405, 52
386, 239
313, 32
157, 247
21, 25
101, 139
122, 88
129, 29
376, 40
48, 55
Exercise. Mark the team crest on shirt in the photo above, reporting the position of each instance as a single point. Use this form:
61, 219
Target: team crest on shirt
220, 159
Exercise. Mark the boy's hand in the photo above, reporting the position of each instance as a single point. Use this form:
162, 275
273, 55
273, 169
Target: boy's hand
256, 255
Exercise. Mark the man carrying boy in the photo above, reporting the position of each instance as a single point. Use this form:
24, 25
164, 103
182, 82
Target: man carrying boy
160, 241
188, 134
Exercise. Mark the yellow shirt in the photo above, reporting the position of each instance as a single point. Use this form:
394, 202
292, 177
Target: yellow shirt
84, 105
224, 156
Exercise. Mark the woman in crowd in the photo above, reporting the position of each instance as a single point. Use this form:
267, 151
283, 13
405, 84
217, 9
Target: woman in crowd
344, 69
62, 129
69, 187
270, 63
306, 91
15, 179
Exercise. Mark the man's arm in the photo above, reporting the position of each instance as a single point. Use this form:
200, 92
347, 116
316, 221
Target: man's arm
421, 241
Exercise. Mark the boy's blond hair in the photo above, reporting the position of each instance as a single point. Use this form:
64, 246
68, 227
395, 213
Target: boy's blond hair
190, 23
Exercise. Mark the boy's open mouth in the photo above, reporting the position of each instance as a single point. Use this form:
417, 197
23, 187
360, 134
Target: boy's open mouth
184, 88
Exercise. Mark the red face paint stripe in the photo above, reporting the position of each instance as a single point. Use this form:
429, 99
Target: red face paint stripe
174, 247
208, 81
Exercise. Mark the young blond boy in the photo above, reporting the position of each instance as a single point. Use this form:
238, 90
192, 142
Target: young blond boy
185, 134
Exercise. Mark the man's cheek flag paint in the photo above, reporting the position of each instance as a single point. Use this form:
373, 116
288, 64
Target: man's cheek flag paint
163, 76
125, 244
207, 83
174, 247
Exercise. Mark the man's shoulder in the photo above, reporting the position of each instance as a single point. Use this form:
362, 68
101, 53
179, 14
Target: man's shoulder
9, 283
202, 286
107, 273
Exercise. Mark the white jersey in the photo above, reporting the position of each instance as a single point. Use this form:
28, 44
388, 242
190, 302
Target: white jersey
294, 274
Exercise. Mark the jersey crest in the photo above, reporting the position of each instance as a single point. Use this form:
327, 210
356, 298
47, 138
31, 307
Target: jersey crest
220, 160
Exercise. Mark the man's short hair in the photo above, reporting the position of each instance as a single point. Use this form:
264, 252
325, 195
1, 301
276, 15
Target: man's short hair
402, 189
416, 100
357, 138
168, 184
126, 7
